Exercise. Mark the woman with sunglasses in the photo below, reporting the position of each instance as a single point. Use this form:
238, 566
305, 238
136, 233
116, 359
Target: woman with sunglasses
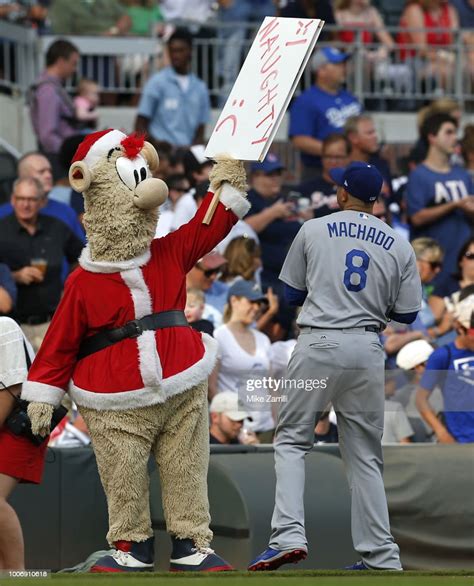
444, 306
244, 357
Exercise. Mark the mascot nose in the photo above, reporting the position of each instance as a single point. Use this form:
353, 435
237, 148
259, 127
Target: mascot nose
150, 194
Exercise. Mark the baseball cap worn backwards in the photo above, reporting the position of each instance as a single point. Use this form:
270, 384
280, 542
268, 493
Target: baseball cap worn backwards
328, 55
361, 180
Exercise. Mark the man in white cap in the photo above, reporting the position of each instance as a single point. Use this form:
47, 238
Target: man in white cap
227, 418
452, 368
412, 358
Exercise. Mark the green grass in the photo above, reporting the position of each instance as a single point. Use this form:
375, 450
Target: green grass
291, 578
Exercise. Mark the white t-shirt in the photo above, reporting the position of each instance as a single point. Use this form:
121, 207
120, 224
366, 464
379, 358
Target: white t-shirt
171, 219
280, 353
13, 366
237, 368
199, 10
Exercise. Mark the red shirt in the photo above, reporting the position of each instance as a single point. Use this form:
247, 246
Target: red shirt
433, 37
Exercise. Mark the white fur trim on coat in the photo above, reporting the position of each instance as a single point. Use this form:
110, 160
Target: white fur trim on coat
149, 361
111, 267
42, 393
102, 146
173, 385
235, 200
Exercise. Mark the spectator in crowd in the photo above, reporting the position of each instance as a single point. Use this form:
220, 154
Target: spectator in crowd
234, 18
227, 419
20, 459
412, 359
197, 166
451, 368
178, 209
8, 290
322, 190
464, 277
202, 276
360, 15
273, 219
467, 149
325, 431
94, 17
195, 303
465, 10
440, 199
175, 104
34, 246
429, 261
244, 260
86, 102
145, 16
51, 108
38, 167
322, 109
364, 145
321, 9
428, 45
244, 354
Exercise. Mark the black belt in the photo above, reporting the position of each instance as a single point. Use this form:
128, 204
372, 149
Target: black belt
132, 329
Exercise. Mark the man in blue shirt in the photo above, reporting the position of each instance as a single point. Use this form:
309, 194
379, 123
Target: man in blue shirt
440, 198
452, 368
174, 106
37, 166
322, 109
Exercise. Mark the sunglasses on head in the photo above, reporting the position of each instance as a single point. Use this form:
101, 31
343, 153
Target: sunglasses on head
469, 255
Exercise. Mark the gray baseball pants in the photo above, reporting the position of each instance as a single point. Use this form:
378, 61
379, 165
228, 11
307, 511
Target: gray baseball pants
344, 367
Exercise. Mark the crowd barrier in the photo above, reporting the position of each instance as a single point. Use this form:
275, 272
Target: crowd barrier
429, 490
396, 81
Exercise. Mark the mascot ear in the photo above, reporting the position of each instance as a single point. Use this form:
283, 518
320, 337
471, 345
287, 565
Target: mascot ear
151, 156
80, 177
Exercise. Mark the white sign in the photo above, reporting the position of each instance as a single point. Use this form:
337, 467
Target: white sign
261, 94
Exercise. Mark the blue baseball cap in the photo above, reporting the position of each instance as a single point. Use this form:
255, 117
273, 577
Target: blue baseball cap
248, 289
328, 55
359, 179
270, 164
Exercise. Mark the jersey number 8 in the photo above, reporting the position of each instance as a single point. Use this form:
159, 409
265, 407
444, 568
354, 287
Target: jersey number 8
355, 275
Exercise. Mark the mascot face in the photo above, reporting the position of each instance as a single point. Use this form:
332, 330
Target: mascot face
121, 198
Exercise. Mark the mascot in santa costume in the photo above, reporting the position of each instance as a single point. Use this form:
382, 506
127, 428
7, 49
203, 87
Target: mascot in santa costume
120, 345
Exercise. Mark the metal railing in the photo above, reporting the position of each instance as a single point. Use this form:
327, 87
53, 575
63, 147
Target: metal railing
122, 65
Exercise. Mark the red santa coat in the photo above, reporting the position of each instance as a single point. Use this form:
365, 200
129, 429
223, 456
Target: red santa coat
100, 295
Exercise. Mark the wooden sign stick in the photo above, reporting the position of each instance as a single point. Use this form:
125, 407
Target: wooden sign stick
212, 207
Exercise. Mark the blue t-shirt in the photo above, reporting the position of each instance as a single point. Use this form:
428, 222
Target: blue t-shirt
427, 189
7, 282
318, 114
453, 370
174, 114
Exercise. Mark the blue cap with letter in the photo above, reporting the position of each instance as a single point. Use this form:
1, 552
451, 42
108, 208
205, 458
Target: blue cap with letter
361, 180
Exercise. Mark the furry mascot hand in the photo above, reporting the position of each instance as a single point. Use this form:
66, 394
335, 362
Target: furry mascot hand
40, 415
228, 170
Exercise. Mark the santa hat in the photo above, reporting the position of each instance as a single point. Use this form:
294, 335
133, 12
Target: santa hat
98, 144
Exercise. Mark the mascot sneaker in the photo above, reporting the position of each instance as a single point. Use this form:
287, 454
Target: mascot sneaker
272, 559
185, 557
129, 556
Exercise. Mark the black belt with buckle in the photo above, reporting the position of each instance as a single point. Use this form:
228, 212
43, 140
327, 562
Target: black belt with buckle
374, 329
132, 329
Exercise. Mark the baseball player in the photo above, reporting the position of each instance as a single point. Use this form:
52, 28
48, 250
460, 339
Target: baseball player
351, 272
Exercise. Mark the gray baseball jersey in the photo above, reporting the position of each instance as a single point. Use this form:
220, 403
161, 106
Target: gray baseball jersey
356, 270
